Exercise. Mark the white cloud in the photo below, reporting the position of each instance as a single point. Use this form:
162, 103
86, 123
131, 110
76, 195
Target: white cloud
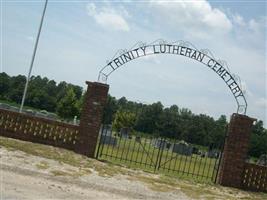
261, 102
252, 31
245, 89
194, 15
108, 17
239, 20
152, 59
30, 38
254, 25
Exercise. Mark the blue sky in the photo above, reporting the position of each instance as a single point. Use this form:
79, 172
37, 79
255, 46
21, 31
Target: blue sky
78, 37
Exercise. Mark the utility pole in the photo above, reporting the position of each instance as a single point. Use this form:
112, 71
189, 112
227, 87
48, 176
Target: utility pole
33, 57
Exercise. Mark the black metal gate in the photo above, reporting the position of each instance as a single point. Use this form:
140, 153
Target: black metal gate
158, 154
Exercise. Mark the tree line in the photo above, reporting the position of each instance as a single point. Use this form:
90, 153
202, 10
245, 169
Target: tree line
66, 100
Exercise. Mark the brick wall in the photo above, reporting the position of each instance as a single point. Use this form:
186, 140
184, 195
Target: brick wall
254, 177
235, 151
82, 139
40, 130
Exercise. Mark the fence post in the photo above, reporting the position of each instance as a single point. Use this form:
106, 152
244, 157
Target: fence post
235, 151
91, 117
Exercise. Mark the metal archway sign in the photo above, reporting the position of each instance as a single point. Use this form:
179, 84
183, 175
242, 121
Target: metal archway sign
182, 48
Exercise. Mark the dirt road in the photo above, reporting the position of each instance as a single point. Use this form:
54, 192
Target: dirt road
34, 171
19, 184
21, 178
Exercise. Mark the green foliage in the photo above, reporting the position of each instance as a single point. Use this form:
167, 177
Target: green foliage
258, 142
4, 85
220, 130
150, 118
16, 88
110, 110
43, 94
67, 107
169, 122
173, 122
124, 119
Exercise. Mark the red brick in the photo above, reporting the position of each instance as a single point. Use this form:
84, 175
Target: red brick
235, 151
91, 117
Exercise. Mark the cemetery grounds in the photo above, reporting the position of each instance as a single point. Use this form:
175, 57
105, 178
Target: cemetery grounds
146, 155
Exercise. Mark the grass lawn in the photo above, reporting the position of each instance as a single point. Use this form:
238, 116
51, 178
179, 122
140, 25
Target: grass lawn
144, 155
18, 105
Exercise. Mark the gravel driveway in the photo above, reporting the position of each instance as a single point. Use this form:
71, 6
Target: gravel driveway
21, 178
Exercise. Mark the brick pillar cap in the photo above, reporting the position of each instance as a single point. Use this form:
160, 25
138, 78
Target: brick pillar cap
97, 83
243, 116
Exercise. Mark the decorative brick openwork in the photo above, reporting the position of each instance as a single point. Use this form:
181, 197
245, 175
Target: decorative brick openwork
235, 151
82, 139
35, 129
255, 177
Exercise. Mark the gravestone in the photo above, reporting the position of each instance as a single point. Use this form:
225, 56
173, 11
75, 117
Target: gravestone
160, 143
213, 153
106, 130
125, 133
109, 140
182, 148
138, 139
168, 146
262, 160
195, 150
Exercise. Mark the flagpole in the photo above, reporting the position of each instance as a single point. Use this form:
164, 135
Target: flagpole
33, 57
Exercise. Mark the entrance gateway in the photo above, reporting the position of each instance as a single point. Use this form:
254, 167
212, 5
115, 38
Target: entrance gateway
159, 153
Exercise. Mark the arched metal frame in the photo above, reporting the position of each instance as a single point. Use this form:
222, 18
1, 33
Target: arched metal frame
183, 48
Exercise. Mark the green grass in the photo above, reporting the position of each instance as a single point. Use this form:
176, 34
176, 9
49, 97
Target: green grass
145, 156
194, 189
42, 165
59, 173
18, 105
84, 163
61, 155
14, 104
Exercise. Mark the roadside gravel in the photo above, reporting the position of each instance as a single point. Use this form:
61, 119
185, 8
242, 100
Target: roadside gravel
25, 176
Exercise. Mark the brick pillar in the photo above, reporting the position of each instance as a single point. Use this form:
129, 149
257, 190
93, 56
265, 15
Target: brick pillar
91, 117
235, 151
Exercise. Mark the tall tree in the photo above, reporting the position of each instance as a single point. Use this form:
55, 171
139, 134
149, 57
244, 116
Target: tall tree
110, 109
4, 85
67, 106
169, 122
17, 84
220, 131
149, 120
124, 119
258, 141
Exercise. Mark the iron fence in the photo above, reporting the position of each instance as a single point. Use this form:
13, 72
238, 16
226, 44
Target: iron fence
158, 154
